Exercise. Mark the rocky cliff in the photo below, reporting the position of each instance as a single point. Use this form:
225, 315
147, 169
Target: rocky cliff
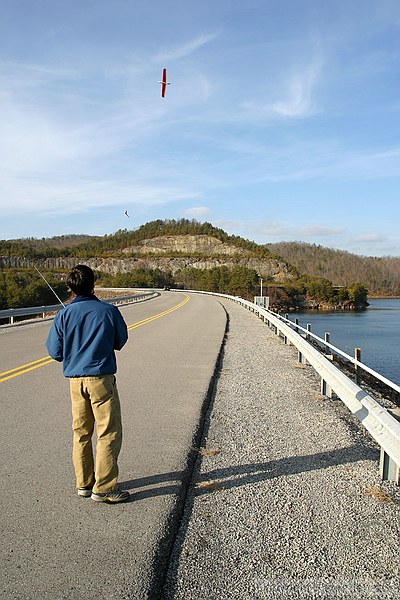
186, 245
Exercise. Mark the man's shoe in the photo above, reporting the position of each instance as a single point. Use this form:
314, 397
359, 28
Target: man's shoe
85, 492
111, 497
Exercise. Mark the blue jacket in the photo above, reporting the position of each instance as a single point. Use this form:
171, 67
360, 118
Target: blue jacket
84, 336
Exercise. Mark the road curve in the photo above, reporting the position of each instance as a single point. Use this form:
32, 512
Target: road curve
56, 545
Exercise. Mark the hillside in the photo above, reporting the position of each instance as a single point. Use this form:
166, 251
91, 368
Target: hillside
180, 253
380, 275
176, 244
170, 254
161, 253
169, 246
117, 244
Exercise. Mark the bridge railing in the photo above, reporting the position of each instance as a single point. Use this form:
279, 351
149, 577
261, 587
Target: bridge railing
379, 422
11, 313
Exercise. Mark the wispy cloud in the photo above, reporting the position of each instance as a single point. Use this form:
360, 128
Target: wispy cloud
319, 231
291, 158
280, 230
298, 96
185, 49
197, 211
370, 237
265, 232
56, 145
299, 101
16, 75
55, 197
256, 229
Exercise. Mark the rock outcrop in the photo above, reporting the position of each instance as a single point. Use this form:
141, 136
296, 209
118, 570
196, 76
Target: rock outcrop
184, 244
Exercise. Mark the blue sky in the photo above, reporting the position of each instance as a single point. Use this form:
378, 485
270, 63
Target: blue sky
281, 122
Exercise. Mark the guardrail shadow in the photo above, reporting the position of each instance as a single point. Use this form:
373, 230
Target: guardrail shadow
237, 476
216, 480
247, 474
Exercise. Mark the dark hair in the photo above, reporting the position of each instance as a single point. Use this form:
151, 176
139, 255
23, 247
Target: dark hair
81, 280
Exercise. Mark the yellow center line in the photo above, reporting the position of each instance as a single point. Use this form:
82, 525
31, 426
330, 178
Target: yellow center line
46, 360
34, 362
154, 317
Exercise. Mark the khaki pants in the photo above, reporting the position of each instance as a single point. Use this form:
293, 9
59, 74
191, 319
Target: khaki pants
95, 400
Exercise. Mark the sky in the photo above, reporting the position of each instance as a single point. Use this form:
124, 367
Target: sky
281, 123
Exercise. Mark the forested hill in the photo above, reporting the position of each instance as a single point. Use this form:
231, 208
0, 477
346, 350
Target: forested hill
85, 246
381, 275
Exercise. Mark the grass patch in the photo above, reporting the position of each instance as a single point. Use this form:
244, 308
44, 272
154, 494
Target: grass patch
378, 494
207, 451
209, 486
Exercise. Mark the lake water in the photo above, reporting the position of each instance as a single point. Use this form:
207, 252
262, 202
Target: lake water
375, 330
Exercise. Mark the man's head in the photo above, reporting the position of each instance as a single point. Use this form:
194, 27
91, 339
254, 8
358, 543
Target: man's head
81, 280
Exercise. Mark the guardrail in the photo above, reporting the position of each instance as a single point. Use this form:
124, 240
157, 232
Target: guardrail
379, 422
11, 313
325, 342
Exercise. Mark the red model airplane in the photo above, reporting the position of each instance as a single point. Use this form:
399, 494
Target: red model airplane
164, 82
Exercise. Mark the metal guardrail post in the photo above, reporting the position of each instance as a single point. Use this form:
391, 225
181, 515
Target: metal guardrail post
389, 470
327, 338
326, 389
285, 339
301, 358
357, 356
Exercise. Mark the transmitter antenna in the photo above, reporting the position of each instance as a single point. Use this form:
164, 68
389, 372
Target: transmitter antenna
45, 280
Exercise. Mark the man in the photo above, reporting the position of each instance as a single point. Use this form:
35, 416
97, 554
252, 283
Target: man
84, 336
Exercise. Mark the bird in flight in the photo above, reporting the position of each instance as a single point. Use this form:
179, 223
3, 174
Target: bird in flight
164, 82
126, 213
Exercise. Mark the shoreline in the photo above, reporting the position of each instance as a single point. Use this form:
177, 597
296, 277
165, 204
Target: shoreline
384, 297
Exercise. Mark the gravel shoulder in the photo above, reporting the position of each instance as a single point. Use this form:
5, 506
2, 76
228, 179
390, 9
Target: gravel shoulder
286, 499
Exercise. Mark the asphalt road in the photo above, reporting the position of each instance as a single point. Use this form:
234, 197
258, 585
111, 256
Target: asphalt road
58, 545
